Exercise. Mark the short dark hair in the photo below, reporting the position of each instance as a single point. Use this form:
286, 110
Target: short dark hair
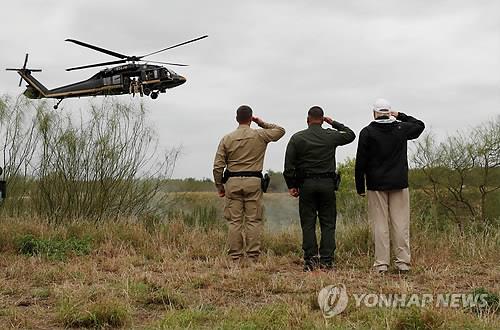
244, 113
315, 112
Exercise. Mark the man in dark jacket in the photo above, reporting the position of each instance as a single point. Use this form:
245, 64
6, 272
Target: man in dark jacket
310, 175
382, 161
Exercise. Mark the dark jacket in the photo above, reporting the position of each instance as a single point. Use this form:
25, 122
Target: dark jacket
382, 153
312, 151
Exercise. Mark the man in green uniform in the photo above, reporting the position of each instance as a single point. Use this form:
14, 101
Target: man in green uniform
310, 175
242, 152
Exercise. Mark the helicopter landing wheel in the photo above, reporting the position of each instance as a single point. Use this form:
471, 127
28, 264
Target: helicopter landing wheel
154, 95
146, 91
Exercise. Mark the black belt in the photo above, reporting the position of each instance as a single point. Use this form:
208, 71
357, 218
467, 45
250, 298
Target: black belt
319, 175
257, 174
227, 174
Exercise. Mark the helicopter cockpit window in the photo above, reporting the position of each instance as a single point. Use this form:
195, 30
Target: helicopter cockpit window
116, 79
166, 73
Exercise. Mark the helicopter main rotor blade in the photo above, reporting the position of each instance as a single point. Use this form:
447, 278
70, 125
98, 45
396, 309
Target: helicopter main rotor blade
174, 46
99, 49
167, 63
97, 64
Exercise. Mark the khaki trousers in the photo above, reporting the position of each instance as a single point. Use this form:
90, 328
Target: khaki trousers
243, 212
389, 216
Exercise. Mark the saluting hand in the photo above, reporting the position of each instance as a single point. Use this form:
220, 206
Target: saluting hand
328, 120
394, 113
257, 120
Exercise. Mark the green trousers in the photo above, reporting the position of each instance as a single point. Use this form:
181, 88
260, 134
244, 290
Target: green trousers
317, 200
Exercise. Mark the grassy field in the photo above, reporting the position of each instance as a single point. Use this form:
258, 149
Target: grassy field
173, 273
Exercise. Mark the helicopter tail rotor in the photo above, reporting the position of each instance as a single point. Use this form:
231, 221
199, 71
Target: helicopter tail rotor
23, 69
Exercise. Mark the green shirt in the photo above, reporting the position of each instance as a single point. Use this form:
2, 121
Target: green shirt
312, 151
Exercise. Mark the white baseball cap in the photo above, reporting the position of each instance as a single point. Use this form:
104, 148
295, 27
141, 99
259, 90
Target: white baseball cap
382, 105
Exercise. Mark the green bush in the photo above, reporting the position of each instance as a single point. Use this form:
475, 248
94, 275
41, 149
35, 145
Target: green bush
417, 319
53, 248
104, 167
461, 175
492, 302
97, 315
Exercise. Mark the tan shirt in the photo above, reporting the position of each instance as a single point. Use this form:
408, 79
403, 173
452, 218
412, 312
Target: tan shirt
244, 149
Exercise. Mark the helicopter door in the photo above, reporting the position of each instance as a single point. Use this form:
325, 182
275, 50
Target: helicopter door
151, 74
117, 79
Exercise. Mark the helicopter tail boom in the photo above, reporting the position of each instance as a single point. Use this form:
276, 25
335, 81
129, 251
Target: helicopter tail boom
38, 89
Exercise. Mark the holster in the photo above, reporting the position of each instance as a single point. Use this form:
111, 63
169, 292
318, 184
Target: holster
337, 180
225, 176
3, 189
264, 182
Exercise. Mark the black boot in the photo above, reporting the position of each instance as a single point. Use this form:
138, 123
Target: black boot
311, 264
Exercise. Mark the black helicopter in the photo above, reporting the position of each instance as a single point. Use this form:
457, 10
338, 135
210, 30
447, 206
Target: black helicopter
129, 78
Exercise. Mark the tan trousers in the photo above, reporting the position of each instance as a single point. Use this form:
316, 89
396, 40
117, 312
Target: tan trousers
243, 211
389, 216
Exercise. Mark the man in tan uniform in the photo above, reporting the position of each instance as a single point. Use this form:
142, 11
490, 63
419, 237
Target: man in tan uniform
242, 152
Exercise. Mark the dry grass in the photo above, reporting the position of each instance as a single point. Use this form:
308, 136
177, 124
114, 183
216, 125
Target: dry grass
173, 275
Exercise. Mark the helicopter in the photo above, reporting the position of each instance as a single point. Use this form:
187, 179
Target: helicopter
133, 76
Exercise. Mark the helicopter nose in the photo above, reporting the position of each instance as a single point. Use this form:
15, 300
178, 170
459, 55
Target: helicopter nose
181, 80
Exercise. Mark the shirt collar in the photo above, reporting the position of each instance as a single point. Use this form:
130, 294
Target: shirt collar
385, 121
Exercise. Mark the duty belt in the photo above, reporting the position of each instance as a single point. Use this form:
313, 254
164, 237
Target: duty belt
319, 175
329, 175
228, 174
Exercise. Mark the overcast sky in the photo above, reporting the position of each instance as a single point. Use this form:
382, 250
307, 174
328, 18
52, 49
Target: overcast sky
437, 60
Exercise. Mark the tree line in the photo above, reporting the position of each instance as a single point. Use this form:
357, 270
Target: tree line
108, 163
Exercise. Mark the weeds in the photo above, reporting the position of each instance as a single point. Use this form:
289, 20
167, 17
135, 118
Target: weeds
489, 302
172, 275
416, 319
53, 248
286, 243
275, 316
107, 313
151, 294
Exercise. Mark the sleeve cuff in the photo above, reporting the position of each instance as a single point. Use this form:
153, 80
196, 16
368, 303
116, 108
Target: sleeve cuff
401, 116
335, 124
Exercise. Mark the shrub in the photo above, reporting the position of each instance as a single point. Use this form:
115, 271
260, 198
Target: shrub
53, 248
103, 167
461, 175
492, 302
108, 313
416, 319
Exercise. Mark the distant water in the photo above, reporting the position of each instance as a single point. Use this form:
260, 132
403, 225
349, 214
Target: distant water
280, 211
